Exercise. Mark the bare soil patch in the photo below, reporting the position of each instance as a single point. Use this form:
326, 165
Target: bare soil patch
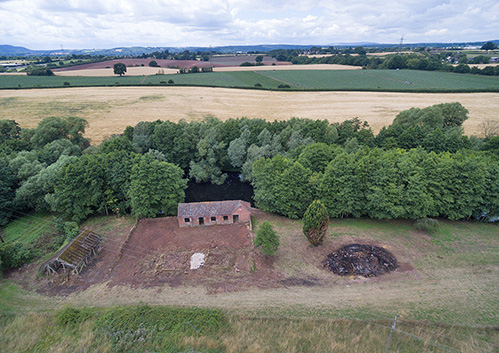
110, 110
159, 253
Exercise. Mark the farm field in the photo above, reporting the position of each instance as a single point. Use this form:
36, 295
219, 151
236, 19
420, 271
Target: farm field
443, 293
139, 71
385, 79
329, 80
110, 110
130, 71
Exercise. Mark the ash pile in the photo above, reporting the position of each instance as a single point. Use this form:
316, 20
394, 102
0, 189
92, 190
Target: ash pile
361, 260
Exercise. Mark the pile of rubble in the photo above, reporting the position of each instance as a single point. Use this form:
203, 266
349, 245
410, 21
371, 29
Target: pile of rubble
361, 260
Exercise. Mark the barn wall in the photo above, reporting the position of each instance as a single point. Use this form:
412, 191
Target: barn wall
243, 213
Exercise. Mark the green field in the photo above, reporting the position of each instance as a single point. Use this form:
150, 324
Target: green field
329, 80
397, 80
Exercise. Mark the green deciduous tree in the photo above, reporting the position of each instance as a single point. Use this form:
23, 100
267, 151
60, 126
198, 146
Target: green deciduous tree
210, 150
267, 239
155, 187
119, 69
55, 128
9, 130
8, 184
315, 222
238, 147
489, 46
80, 189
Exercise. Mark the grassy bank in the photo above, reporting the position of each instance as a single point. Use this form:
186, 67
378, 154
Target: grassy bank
165, 329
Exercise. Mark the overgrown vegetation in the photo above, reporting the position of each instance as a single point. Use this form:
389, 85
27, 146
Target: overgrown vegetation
315, 222
154, 328
267, 239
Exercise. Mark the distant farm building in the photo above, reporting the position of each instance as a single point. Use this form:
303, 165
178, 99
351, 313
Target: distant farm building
214, 212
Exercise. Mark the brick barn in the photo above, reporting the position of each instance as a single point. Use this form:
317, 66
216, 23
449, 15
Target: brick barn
213, 212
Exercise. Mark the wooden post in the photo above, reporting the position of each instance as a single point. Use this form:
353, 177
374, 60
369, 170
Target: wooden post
391, 331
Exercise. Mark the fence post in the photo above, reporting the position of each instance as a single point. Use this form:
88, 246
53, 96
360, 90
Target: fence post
391, 332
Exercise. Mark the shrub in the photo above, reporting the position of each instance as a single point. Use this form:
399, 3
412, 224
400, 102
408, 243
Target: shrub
66, 83
153, 63
258, 85
40, 72
69, 229
427, 224
267, 238
171, 82
16, 254
284, 86
315, 222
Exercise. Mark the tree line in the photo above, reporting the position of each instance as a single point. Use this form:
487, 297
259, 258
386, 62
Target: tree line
290, 163
413, 61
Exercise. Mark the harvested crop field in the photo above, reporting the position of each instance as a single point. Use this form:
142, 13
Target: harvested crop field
110, 110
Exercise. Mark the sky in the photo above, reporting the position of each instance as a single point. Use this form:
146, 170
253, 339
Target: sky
87, 24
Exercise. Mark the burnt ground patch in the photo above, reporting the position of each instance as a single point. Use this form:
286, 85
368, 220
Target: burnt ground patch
361, 260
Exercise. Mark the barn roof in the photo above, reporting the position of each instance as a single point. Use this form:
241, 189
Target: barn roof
212, 208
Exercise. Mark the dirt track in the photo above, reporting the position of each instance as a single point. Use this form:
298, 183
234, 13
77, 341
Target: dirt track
110, 110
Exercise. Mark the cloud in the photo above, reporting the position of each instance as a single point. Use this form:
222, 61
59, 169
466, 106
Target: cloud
97, 23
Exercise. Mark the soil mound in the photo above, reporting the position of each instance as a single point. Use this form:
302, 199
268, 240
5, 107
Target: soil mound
361, 260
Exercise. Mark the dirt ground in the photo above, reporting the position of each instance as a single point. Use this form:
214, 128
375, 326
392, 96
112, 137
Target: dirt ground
157, 256
110, 110
158, 253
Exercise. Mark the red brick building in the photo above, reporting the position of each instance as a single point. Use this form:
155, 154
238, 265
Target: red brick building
213, 212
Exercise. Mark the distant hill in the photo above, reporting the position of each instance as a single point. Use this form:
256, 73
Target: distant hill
9, 50
12, 50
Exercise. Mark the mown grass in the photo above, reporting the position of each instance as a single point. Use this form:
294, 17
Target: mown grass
333, 80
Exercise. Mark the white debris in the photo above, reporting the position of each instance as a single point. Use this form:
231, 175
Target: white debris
197, 260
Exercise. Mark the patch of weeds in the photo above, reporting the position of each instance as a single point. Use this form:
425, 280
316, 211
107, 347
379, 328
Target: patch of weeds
8, 101
71, 318
428, 225
253, 267
145, 327
152, 97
